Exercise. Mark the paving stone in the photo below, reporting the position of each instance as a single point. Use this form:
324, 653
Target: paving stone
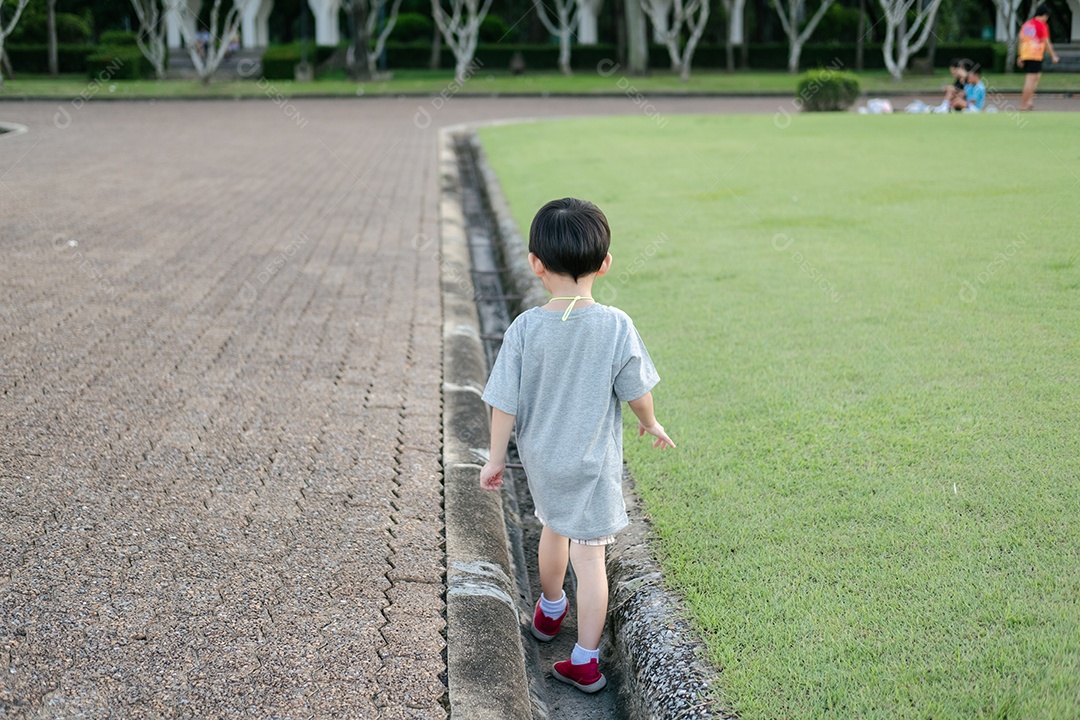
221, 388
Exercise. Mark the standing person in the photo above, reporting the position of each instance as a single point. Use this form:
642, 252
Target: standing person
1034, 42
562, 374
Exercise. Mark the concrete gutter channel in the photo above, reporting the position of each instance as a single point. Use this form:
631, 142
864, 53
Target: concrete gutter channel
652, 654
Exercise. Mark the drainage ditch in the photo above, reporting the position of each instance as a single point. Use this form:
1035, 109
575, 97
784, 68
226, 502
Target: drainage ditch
497, 307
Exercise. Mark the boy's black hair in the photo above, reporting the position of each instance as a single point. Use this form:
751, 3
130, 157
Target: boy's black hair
975, 69
966, 64
1041, 10
570, 236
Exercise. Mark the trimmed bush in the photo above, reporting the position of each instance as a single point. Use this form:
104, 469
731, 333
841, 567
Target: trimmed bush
279, 61
494, 29
35, 58
825, 90
118, 38
118, 63
412, 27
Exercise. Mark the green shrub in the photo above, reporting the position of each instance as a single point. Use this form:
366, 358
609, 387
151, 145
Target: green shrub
411, 27
118, 63
823, 90
117, 38
35, 58
32, 29
494, 29
279, 61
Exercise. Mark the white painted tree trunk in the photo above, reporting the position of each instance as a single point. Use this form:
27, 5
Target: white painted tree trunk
658, 11
326, 12
151, 35
460, 28
588, 14
5, 30
1007, 21
218, 44
735, 37
637, 46
791, 13
697, 14
693, 14
902, 40
376, 48
567, 18
659, 19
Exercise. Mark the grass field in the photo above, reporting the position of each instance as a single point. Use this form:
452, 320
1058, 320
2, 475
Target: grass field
426, 82
868, 330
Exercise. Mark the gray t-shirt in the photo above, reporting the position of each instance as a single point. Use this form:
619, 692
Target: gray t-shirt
564, 382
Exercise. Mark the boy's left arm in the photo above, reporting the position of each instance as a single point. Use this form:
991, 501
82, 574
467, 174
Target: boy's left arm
491, 475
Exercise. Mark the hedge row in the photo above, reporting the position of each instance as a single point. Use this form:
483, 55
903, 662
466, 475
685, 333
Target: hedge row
278, 61
35, 58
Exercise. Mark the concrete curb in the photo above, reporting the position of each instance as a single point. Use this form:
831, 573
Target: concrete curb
665, 674
485, 655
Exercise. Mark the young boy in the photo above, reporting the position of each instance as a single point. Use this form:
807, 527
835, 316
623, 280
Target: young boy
561, 375
958, 68
974, 90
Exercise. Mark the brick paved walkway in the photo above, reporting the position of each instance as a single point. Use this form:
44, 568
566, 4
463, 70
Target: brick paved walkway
220, 484
220, 490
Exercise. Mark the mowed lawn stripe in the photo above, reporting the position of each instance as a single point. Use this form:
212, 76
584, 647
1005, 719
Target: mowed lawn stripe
868, 330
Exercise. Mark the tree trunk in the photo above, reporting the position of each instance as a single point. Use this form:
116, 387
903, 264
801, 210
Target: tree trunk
931, 52
729, 51
436, 50
637, 41
620, 32
54, 61
860, 41
5, 65
794, 52
356, 58
564, 51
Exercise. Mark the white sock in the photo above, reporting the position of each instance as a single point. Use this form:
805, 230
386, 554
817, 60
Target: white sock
552, 608
581, 656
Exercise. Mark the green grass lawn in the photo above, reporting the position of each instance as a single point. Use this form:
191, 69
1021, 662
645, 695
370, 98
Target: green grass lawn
426, 82
868, 330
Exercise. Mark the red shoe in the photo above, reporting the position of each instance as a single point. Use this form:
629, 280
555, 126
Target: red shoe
587, 678
544, 628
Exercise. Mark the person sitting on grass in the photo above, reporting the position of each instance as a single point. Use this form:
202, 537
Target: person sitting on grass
974, 90
562, 373
958, 68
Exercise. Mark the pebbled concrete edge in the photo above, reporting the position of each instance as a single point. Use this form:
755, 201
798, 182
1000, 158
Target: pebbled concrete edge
485, 657
666, 676
11, 129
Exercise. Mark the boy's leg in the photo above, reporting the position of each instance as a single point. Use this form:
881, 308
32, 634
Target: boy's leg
1027, 97
592, 592
552, 556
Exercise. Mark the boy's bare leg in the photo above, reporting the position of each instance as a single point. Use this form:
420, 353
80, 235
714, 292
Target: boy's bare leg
1027, 96
592, 592
552, 556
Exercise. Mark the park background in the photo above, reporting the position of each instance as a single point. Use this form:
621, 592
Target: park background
757, 43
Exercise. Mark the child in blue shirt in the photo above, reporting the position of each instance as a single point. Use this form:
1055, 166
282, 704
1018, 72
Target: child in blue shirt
562, 374
974, 91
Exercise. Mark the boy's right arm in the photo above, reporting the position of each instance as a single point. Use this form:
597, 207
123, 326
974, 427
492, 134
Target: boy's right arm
491, 475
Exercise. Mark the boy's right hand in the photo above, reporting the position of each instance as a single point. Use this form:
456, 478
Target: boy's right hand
491, 476
657, 431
